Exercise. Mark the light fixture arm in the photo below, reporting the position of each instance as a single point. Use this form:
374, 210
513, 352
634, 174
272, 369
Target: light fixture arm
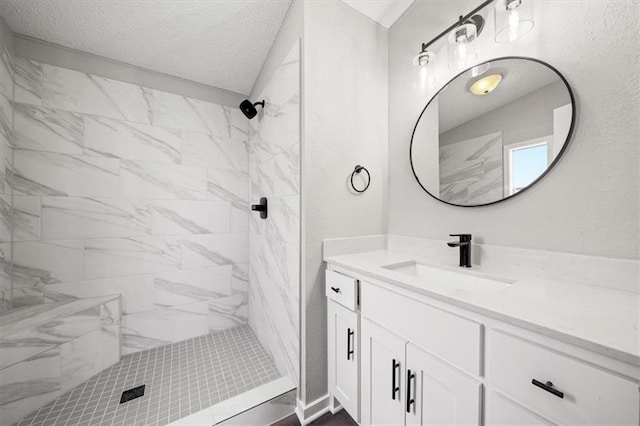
460, 21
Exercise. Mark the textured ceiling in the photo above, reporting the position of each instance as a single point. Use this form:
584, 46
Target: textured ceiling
221, 43
385, 12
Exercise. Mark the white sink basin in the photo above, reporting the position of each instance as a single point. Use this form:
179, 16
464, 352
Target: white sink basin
463, 280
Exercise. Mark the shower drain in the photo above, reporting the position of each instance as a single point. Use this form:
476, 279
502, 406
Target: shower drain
132, 393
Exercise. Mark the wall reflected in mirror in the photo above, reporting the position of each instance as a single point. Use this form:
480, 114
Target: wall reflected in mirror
492, 131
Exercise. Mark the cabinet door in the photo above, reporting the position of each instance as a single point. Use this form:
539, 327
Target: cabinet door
439, 394
502, 411
383, 357
343, 338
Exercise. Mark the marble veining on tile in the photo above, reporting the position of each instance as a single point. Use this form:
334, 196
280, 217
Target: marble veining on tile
28, 81
27, 213
6, 72
472, 178
44, 129
89, 94
273, 274
75, 217
43, 173
131, 141
148, 180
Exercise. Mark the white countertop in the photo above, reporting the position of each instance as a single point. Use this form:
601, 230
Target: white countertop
599, 319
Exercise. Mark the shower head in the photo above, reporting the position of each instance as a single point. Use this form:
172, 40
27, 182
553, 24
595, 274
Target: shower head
248, 109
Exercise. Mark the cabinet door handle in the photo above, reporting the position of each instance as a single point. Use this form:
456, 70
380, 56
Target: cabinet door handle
395, 365
350, 333
336, 289
548, 386
410, 400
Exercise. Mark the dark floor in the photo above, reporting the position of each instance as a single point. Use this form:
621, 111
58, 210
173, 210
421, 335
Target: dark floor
340, 419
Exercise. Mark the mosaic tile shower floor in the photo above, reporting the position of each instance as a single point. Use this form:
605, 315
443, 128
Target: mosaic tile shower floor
181, 379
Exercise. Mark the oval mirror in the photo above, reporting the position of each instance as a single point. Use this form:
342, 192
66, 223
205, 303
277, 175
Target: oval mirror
492, 132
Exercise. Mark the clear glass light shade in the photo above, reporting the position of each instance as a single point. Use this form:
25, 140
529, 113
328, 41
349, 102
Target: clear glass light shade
460, 47
513, 19
424, 74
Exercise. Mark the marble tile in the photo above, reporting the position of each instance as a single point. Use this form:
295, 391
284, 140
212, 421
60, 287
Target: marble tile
177, 217
131, 141
136, 291
227, 312
162, 181
6, 120
6, 166
5, 218
279, 124
87, 355
26, 218
284, 220
89, 94
229, 185
6, 72
206, 150
471, 170
28, 81
239, 219
50, 130
14, 351
41, 173
162, 326
202, 251
117, 257
279, 176
180, 112
41, 263
240, 126
192, 286
72, 217
5, 277
29, 385
27, 296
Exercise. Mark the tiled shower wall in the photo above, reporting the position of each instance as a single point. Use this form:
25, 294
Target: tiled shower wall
274, 144
125, 189
6, 131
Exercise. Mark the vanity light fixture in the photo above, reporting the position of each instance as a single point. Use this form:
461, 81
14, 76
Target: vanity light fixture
424, 76
513, 19
486, 84
461, 53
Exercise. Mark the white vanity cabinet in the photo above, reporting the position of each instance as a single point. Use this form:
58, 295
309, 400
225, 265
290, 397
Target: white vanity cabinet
438, 393
426, 362
343, 335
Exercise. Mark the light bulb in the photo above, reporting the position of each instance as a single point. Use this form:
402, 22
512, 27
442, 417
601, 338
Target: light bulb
424, 77
461, 54
514, 24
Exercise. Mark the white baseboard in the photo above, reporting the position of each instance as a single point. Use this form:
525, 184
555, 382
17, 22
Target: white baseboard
312, 411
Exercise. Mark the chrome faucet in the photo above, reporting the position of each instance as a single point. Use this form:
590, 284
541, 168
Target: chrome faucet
465, 248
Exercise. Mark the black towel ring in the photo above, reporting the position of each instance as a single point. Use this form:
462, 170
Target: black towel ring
356, 171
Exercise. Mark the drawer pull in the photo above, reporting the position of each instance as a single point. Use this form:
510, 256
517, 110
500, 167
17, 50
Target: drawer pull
410, 400
395, 365
337, 290
548, 386
350, 333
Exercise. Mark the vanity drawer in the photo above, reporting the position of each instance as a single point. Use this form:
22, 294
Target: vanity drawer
341, 288
452, 338
580, 393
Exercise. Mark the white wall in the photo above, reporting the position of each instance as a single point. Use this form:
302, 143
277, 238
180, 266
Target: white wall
345, 123
589, 202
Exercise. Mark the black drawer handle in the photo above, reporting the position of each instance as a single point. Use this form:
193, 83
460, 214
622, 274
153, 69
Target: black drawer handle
395, 365
410, 400
337, 290
350, 333
548, 386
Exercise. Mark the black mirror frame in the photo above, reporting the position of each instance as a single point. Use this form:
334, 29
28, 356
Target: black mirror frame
553, 163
